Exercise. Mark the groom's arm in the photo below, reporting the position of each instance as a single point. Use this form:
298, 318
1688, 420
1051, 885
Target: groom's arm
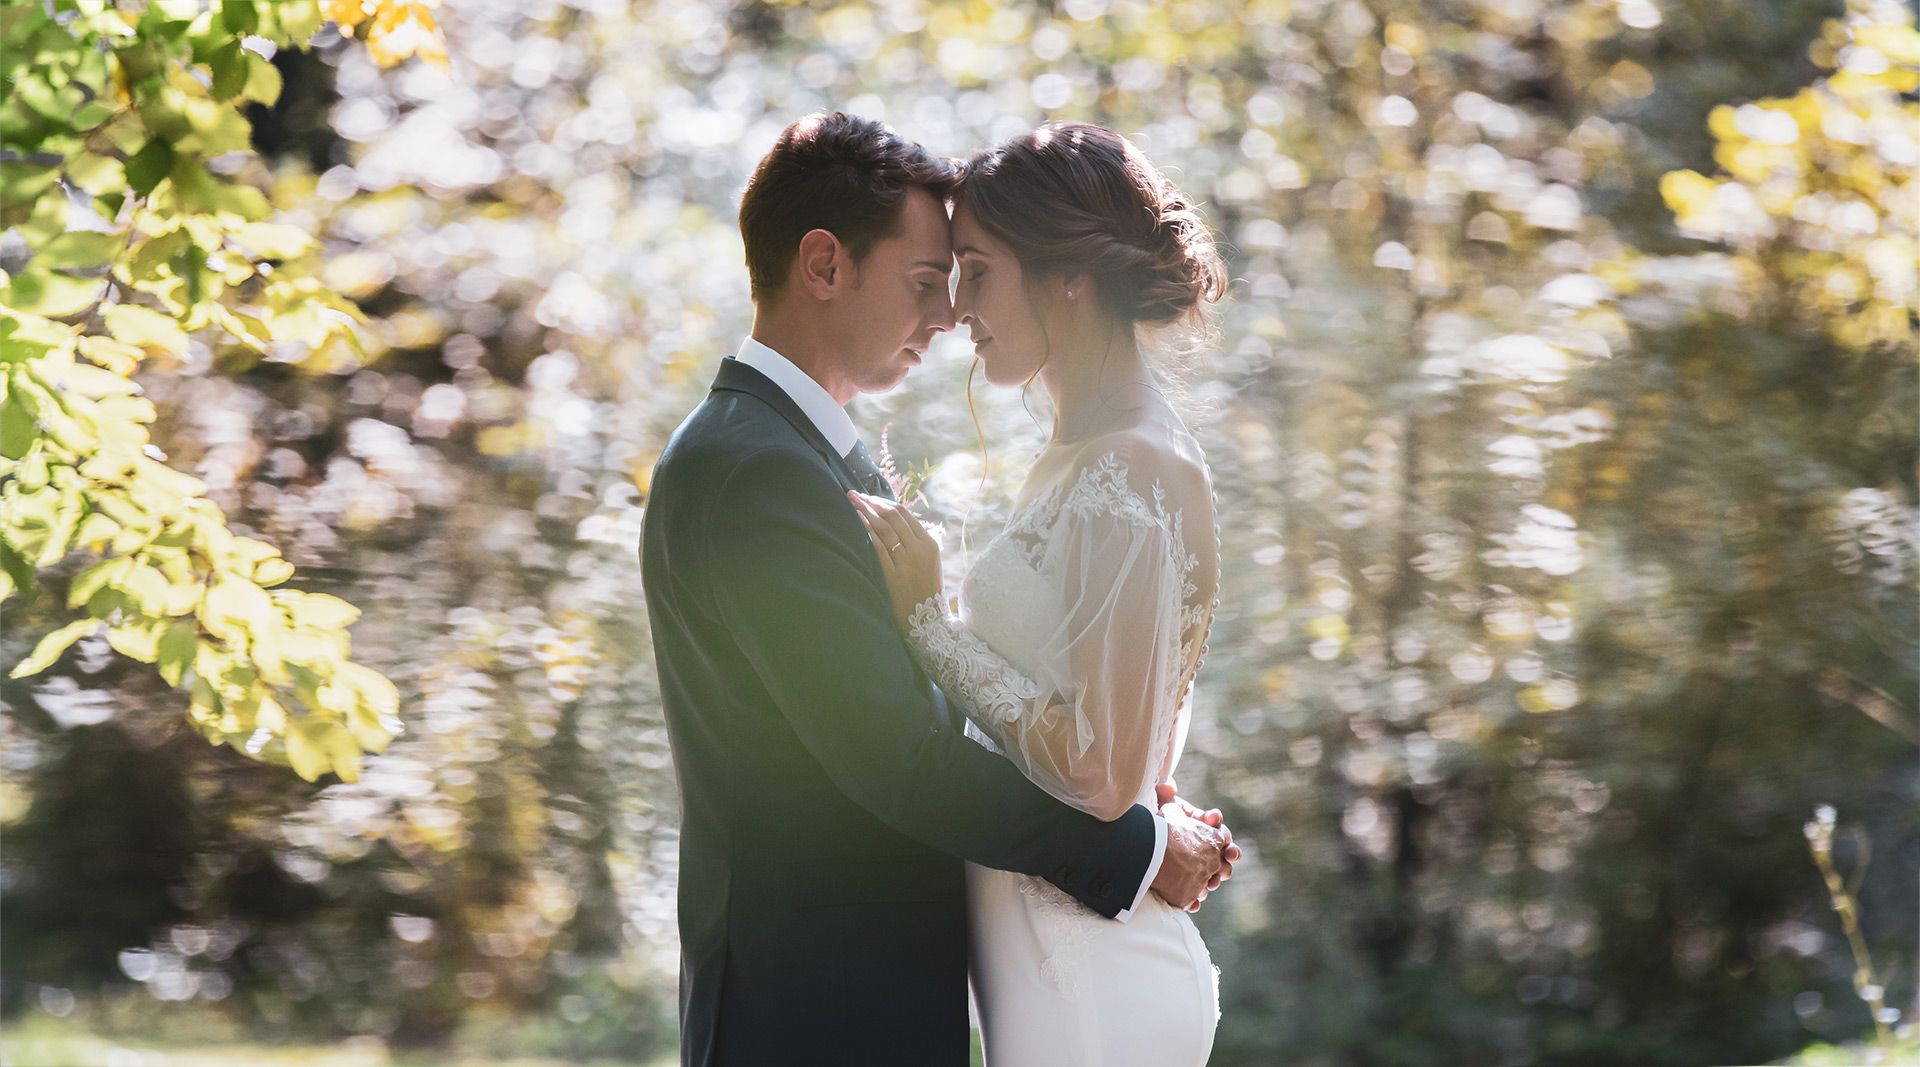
790, 578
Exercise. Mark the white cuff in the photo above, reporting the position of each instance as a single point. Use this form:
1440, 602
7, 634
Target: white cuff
1153, 868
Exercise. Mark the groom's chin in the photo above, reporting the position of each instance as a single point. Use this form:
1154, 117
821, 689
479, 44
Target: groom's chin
889, 380
903, 364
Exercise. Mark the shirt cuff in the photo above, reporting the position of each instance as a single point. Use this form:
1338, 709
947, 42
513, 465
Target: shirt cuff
1153, 868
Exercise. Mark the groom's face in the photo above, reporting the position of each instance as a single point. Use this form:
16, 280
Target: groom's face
899, 298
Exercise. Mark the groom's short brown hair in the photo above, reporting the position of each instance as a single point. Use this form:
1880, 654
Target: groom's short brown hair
840, 173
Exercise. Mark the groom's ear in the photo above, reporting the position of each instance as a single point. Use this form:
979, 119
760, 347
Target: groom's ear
822, 263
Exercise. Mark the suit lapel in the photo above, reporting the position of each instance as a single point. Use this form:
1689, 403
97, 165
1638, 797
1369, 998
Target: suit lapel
735, 376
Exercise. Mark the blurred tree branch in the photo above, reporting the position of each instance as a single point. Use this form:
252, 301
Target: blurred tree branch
121, 126
1871, 700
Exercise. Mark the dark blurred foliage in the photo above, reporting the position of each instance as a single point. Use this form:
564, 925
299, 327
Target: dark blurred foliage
1569, 555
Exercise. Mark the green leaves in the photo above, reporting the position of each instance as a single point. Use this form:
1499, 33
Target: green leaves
17, 430
130, 113
78, 248
175, 587
176, 650
241, 18
149, 166
230, 70
21, 185
54, 295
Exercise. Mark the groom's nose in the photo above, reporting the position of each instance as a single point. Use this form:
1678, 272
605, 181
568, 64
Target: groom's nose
943, 319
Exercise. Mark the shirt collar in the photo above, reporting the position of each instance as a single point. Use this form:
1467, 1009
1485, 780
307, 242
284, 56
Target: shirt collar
828, 416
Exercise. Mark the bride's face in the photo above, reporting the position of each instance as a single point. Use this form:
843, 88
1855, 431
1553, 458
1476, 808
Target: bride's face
993, 300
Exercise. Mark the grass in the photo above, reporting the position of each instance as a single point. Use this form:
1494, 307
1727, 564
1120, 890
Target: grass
1901, 1050
39, 1040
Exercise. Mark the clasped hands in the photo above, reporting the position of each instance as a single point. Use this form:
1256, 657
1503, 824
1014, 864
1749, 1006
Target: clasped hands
1200, 850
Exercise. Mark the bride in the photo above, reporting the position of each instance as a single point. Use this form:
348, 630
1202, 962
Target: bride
1081, 625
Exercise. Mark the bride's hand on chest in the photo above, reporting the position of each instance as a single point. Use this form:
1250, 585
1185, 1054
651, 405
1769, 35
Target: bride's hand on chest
909, 554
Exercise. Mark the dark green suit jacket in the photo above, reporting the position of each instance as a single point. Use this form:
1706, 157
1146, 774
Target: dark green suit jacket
827, 800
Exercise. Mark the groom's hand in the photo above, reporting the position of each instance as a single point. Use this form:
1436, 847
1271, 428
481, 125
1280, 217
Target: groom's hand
1166, 796
1194, 859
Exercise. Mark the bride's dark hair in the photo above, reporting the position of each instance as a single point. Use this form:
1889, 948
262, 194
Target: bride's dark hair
1073, 198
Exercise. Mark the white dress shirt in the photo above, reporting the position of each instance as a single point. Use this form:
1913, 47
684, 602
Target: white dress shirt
827, 415
833, 423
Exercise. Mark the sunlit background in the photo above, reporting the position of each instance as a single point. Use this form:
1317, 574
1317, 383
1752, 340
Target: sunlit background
1563, 422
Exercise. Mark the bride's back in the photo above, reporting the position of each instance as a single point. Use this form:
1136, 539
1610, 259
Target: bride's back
1163, 464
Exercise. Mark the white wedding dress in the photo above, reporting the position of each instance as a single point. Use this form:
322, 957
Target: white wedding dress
1081, 627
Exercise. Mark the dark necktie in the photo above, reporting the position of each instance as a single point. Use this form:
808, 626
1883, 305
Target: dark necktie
863, 468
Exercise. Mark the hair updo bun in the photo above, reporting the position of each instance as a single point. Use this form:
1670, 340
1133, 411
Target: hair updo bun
1074, 198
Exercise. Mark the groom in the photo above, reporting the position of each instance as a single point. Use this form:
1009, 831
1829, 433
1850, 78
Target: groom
828, 794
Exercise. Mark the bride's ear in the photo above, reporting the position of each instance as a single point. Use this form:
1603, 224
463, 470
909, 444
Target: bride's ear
820, 263
1077, 289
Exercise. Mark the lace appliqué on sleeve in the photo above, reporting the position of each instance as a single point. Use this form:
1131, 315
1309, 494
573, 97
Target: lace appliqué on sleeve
987, 686
995, 695
1094, 526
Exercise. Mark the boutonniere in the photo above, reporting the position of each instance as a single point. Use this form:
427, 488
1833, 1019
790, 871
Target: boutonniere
906, 485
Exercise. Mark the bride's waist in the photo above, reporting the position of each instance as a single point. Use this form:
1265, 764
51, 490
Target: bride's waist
989, 889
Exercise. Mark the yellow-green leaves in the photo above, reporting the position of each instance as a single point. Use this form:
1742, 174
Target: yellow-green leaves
273, 241
263, 80
396, 29
128, 104
1822, 182
131, 112
268, 669
47, 292
80, 248
144, 328
52, 645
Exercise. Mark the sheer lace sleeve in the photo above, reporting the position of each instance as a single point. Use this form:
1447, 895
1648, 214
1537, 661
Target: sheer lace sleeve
1094, 723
